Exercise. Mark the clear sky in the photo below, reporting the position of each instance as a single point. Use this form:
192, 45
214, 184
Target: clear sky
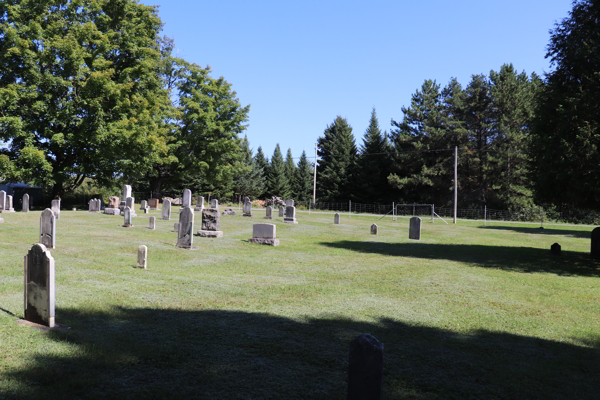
300, 64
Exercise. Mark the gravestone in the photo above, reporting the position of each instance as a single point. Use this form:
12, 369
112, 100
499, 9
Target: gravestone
94, 205
130, 202
374, 229
247, 207
596, 243
2, 200
153, 204
214, 203
127, 214
365, 368
142, 258
9, 204
176, 227
185, 233
25, 203
281, 211
113, 206
152, 223
144, 205
414, 228
187, 198
48, 229
336, 219
289, 203
264, 234
269, 213
555, 249
199, 204
166, 210
40, 289
56, 208
228, 211
124, 195
290, 215
211, 224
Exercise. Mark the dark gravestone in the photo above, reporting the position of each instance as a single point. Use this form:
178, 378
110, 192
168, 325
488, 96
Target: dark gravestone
414, 228
185, 233
211, 223
555, 249
365, 368
40, 290
596, 243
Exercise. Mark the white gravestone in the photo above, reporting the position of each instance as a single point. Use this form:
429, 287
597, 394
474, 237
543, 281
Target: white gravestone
48, 229
152, 223
414, 228
2, 200
187, 198
56, 208
144, 205
214, 203
40, 289
336, 219
9, 204
166, 210
264, 234
25, 203
290, 215
247, 208
281, 211
142, 259
289, 203
200, 204
127, 222
185, 233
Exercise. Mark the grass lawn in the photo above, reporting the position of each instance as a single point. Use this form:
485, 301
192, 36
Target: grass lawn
466, 312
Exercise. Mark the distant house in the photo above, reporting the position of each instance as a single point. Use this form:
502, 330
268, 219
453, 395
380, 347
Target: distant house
17, 190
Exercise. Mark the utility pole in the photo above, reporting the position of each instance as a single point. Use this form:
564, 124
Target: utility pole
315, 178
455, 183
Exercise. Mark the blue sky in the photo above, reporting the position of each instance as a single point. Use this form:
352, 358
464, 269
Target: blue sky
300, 64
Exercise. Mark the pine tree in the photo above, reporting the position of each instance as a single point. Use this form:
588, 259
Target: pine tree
277, 182
290, 173
250, 181
303, 181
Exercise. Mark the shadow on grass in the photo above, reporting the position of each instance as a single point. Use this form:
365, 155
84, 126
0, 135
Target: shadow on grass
520, 259
151, 353
546, 231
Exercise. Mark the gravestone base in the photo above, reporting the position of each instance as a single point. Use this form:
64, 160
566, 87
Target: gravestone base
42, 327
268, 242
228, 211
210, 234
127, 225
247, 215
8, 211
112, 211
290, 220
186, 247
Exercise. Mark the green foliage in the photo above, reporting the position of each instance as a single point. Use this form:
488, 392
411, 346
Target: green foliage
277, 182
303, 181
290, 172
250, 181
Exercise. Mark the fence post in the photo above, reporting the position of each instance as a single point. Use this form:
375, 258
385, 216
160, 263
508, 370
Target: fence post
413, 209
432, 213
349, 207
393, 211
484, 215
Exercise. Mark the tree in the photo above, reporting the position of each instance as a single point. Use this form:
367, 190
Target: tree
337, 165
277, 182
303, 181
290, 173
262, 161
79, 92
566, 129
250, 181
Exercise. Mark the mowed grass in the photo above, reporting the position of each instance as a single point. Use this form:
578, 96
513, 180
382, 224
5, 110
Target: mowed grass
467, 312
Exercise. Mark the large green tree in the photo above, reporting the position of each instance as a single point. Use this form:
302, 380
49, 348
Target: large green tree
303, 182
277, 181
250, 180
566, 139
290, 172
79, 91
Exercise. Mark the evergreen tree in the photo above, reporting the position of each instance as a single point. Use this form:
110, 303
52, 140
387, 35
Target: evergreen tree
337, 165
277, 182
290, 173
250, 181
262, 161
303, 181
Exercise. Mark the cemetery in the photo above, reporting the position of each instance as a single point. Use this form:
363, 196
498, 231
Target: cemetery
464, 311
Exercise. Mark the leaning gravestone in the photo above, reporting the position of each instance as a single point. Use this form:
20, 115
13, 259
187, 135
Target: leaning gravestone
166, 210
40, 289
214, 203
264, 234
127, 223
336, 218
142, 259
414, 228
374, 229
2, 200
269, 213
56, 208
290, 215
185, 233
281, 211
199, 204
187, 198
25, 203
211, 224
247, 208
596, 243
152, 223
48, 229
365, 368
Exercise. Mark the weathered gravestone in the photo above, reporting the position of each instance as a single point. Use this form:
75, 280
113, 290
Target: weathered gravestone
199, 204
130, 202
289, 203
214, 203
48, 229
2, 200
264, 234
9, 204
596, 243
144, 205
127, 221
152, 223
336, 219
269, 213
40, 289
176, 227
185, 233
187, 198
94, 205
365, 368
113, 206
555, 249
56, 208
142, 258
228, 211
124, 195
211, 224
247, 207
414, 228
166, 210
374, 229
281, 211
25, 203
290, 215
153, 204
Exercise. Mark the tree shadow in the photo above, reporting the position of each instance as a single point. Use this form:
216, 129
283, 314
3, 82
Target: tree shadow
545, 231
519, 259
212, 354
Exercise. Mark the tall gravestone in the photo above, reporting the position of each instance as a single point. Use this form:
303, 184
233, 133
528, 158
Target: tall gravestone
56, 208
200, 204
414, 228
374, 229
185, 233
25, 203
264, 234
290, 215
336, 218
2, 200
365, 368
48, 229
214, 203
40, 289
596, 243
127, 220
211, 223
281, 211
9, 204
247, 207
124, 195
269, 213
187, 198
166, 210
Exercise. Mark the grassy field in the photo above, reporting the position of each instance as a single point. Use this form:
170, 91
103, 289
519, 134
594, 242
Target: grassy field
467, 312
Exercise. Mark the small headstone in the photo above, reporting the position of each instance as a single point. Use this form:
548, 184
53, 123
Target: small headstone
290, 215
153, 204
187, 198
414, 228
247, 208
152, 223
596, 243
127, 223
214, 203
112, 211
176, 227
199, 204
56, 208
40, 289
143, 205
289, 203
2, 200
336, 219
264, 234
142, 259
374, 229
365, 368
185, 235
25, 203
94, 205
269, 213
228, 211
555, 249
281, 211
48, 229
211, 223
166, 210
